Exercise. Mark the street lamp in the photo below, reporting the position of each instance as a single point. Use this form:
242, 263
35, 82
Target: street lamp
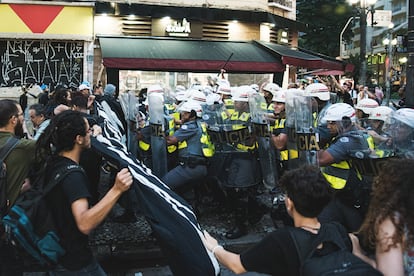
365, 7
389, 45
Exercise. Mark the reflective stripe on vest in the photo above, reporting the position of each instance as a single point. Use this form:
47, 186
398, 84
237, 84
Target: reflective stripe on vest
144, 146
170, 132
337, 174
284, 154
229, 104
243, 117
206, 145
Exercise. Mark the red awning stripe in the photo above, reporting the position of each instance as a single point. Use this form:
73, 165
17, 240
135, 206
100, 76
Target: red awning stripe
192, 65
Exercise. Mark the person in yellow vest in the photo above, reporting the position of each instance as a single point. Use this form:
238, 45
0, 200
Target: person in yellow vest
279, 133
362, 111
191, 157
336, 166
243, 177
379, 121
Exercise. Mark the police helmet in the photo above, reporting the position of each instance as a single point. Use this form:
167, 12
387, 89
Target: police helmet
279, 96
318, 90
156, 88
189, 106
271, 88
405, 116
224, 88
337, 111
381, 113
366, 105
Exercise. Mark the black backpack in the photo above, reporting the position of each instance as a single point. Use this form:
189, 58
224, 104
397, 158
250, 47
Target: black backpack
30, 226
334, 258
4, 152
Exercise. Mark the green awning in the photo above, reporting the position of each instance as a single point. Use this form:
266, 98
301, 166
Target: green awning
187, 55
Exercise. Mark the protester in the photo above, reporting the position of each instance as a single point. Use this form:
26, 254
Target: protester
18, 164
67, 136
40, 121
307, 193
23, 99
389, 225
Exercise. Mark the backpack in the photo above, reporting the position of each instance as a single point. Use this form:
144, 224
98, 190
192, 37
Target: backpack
30, 226
334, 258
4, 152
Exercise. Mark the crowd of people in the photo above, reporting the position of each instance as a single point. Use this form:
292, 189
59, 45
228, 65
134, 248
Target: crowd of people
213, 134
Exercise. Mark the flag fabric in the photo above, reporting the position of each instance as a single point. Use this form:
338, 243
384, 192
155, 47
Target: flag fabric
171, 218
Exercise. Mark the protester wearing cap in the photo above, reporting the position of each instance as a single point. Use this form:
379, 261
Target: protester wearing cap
335, 164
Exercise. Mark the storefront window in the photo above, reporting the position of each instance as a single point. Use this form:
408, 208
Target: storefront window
134, 80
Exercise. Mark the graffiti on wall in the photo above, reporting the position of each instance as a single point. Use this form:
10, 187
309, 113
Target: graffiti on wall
49, 62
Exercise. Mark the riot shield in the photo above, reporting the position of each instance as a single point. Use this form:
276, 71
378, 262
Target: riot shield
306, 132
291, 94
130, 106
261, 128
157, 125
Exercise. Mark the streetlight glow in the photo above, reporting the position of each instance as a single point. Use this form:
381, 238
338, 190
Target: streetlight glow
365, 7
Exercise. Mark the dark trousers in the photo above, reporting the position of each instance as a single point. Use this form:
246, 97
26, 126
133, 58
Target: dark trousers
349, 216
10, 262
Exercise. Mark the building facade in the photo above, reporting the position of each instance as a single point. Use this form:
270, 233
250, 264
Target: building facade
378, 55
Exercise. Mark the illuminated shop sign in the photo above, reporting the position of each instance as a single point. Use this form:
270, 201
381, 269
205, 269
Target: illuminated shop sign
178, 28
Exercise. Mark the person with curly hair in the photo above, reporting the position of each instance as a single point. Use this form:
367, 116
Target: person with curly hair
307, 193
389, 224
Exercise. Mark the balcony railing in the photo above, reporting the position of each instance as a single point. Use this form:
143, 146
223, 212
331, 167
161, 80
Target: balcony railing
284, 4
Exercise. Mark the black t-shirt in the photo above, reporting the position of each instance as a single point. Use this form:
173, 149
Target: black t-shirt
73, 187
276, 254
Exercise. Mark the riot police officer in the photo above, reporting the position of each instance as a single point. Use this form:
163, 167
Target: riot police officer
337, 168
192, 160
242, 176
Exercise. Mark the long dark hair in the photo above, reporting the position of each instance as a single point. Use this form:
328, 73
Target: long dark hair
60, 135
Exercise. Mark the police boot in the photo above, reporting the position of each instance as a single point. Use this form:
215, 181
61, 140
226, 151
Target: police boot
256, 210
241, 225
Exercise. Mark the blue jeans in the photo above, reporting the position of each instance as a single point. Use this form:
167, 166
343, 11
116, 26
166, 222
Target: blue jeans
93, 269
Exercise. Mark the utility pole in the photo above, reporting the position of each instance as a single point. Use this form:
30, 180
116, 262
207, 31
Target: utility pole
409, 89
363, 47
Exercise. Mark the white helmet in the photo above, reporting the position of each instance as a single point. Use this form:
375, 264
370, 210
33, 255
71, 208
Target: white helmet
242, 93
382, 113
181, 95
405, 116
366, 105
224, 88
191, 105
197, 96
156, 88
271, 88
318, 90
213, 98
279, 96
337, 111
179, 88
